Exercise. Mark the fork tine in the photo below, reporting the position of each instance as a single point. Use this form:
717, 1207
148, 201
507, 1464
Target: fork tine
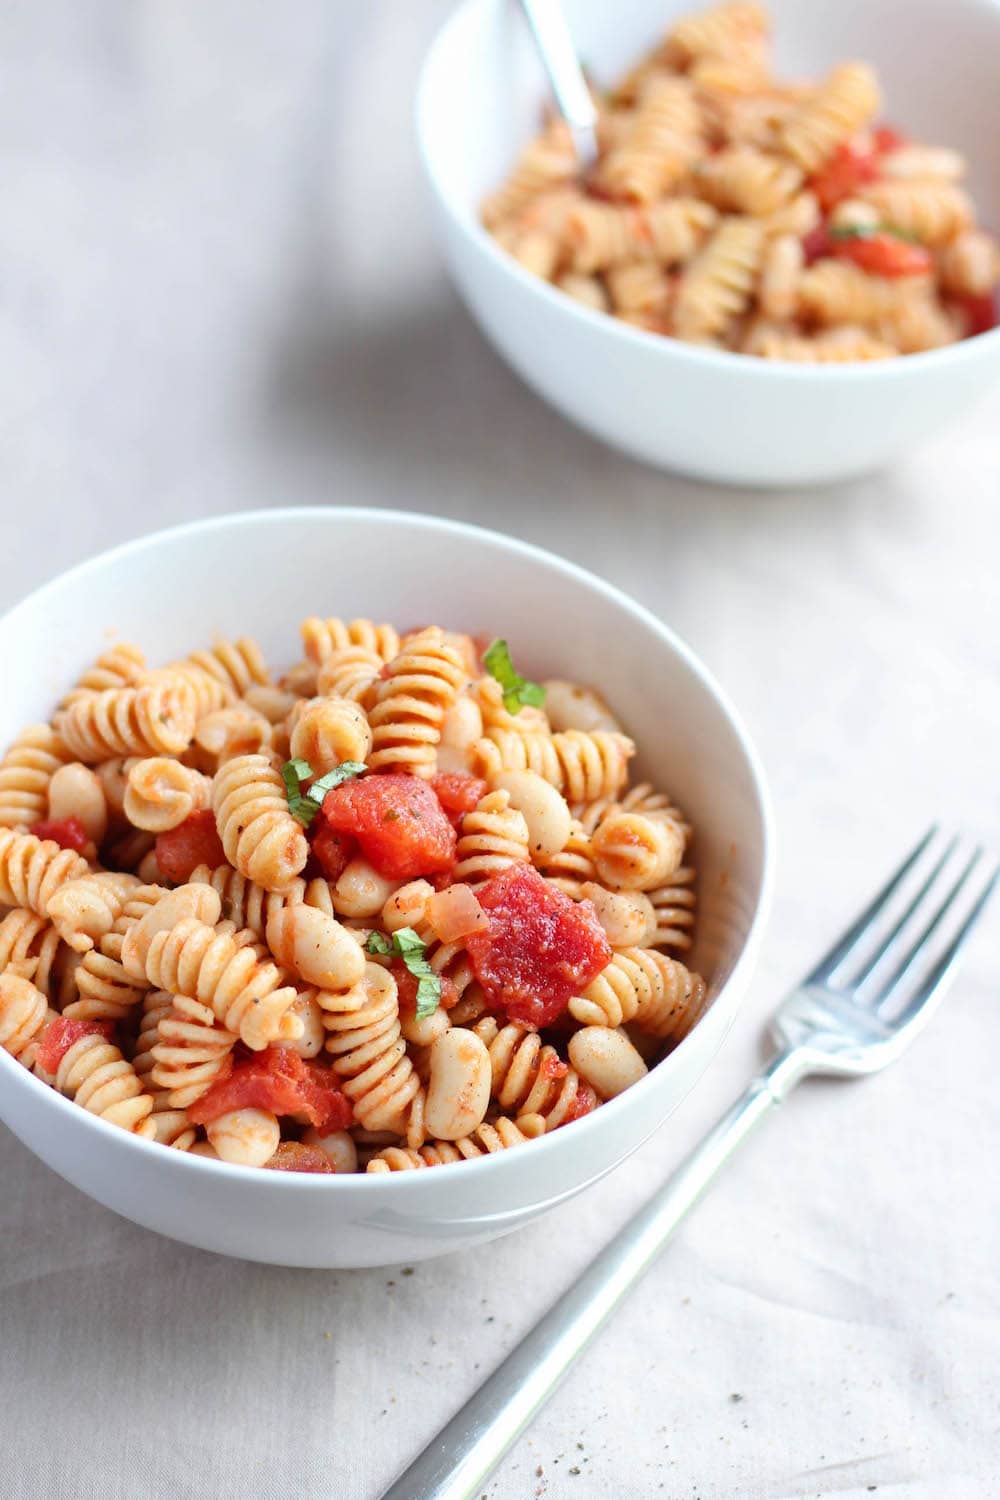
860, 979
832, 960
936, 982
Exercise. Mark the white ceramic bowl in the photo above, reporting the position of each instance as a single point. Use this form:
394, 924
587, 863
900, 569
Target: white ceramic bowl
261, 574
703, 412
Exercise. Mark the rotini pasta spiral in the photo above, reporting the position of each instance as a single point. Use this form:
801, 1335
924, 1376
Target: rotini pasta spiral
496, 1135
546, 162
161, 793
156, 718
674, 905
26, 772
24, 1012
659, 147
29, 946
243, 901
33, 869
370, 1056
932, 212
83, 910
420, 685
581, 765
350, 672
494, 835
573, 866
529, 1077
723, 31
121, 667
744, 180
321, 638
718, 284
259, 835
633, 851
643, 986
95, 1074
105, 990
190, 1051
848, 100
246, 995
327, 731
211, 693
237, 665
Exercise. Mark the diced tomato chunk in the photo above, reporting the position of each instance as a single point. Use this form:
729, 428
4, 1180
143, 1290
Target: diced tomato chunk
979, 313
540, 949
398, 822
457, 794
194, 842
816, 244
68, 833
60, 1035
583, 1104
888, 139
406, 984
294, 1156
280, 1080
847, 170
884, 254
331, 851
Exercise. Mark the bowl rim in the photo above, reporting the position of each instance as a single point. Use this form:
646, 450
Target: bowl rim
898, 368
292, 515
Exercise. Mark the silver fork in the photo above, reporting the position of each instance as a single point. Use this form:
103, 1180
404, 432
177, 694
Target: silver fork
857, 1010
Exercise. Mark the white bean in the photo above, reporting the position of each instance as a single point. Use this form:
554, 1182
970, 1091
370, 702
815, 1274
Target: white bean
571, 707
606, 1059
361, 891
75, 791
337, 1146
543, 808
462, 727
628, 917
247, 1137
310, 1043
458, 1092
316, 947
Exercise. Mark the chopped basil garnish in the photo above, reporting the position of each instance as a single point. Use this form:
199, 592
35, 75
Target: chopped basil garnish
305, 804
410, 948
517, 690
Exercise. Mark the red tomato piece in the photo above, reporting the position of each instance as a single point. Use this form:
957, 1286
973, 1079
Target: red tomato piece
398, 821
457, 794
847, 170
194, 842
884, 254
980, 314
816, 244
406, 984
540, 949
280, 1080
888, 139
583, 1104
60, 1035
294, 1156
331, 851
68, 833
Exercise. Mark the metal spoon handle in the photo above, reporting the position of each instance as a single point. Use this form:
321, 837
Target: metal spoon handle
555, 46
456, 1463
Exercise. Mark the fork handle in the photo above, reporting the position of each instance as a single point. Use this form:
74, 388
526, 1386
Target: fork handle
458, 1461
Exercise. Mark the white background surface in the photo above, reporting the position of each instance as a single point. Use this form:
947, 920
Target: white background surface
216, 291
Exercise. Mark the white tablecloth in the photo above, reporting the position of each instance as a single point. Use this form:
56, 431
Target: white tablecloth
218, 290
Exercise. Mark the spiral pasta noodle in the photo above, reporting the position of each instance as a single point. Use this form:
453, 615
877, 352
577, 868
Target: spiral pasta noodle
529, 1077
492, 1136
847, 100
581, 765
33, 869
247, 996
122, 667
634, 851
674, 905
236, 665
643, 986
24, 1012
29, 946
261, 838
83, 910
321, 638
718, 284
154, 718
420, 685
370, 1056
190, 1051
494, 835
26, 772
97, 1076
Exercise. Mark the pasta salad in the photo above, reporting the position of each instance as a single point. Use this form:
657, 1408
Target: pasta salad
397, 908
